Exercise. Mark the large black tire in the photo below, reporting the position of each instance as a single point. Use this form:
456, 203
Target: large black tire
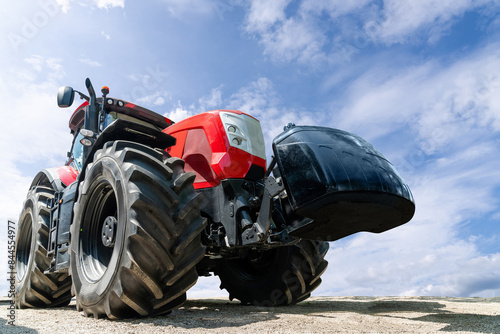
33, 287
150, 203
281, 276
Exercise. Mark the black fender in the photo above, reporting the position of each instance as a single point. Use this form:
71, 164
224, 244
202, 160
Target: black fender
58, 178
125, 130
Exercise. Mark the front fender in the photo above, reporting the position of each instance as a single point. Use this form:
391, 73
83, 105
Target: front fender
130, 131
56, 178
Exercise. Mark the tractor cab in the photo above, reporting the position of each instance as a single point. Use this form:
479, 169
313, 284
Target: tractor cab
108, 112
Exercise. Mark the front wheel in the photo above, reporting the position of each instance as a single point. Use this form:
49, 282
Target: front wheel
281, 276
136, 233
34, 288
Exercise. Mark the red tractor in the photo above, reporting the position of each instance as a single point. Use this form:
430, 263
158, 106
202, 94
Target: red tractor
143, 207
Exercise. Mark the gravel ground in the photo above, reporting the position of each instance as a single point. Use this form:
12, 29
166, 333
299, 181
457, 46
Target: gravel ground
316, 315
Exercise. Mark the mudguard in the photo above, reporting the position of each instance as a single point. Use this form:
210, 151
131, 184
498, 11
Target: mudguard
130, 131
56, 178
341, 182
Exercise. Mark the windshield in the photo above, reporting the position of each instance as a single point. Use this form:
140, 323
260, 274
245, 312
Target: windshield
77, 152
76, 158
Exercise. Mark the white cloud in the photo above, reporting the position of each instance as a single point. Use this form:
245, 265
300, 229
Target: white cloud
146, 88
90, 62
478, 276
450, 113
156, 98
135, 77
207, 287
54, 64
212, 101
333, 8
34, 132
264, 14
325, 32
106, 4
285, 38
439, 103
179, 113
64, 5
400, 20
427, 255
260, 99
184, 8
294, 39
39, 63
33, 109
35, 61
107, 36
159, 101
102, 4
195, 9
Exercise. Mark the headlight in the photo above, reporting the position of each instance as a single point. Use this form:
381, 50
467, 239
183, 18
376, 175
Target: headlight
245, 133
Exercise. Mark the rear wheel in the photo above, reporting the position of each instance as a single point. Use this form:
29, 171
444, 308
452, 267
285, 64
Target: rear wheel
33, 287
136, 233
281, 276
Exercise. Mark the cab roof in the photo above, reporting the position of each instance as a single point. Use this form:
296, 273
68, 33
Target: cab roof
123, 107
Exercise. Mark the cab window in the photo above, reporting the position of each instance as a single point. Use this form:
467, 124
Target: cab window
77, 153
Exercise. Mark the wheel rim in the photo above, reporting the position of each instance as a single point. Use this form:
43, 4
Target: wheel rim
95, 256
23, 249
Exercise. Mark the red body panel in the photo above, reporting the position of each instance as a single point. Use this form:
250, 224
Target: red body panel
203, 144
67, 174
77, 118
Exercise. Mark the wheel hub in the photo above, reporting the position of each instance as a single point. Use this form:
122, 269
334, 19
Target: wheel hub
109, 231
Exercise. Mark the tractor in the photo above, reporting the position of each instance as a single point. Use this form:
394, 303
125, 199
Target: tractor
143, 206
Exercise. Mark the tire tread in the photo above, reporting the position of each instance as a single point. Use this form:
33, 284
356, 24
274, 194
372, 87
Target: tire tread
38, 289
156, 280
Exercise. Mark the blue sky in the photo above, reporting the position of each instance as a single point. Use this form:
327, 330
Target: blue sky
419, 80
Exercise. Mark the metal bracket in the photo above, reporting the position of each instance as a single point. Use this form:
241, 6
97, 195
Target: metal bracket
273, 187
260, 229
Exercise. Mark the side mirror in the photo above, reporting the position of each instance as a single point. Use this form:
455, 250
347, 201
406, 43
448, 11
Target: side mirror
65, 97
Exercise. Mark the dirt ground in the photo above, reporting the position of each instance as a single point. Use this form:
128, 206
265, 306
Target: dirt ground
316, 315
